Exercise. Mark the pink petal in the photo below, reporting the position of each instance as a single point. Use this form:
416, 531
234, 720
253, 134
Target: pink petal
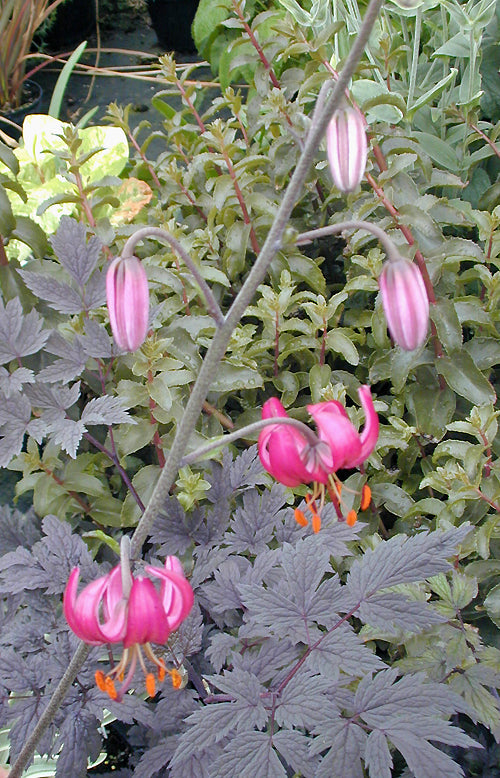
369, 436
176, 595
82, 612
405, 303
147, 620
347, 148
335, 428
281, 449
127, 297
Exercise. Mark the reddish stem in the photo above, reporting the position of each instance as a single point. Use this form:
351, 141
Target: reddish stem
239, 195
3, 256
255, 43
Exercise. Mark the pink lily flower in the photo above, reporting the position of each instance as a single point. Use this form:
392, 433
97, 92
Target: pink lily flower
121, 608
405, 303
290, 458
127, 296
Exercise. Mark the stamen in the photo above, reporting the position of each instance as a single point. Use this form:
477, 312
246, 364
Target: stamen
176, 678
351, 518
110, 688
300, 518
150, 684
161, 672
366, 497
100, 680
316, 523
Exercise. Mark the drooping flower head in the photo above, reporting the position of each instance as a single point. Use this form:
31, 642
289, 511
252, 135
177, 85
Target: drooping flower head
292, 459
347, 148
405, 302
121, 608
127, 296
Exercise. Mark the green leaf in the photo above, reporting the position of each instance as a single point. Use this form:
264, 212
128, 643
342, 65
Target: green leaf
101, 536
461, 375
288, 385
339, 343
433, 409
395, 499
438, 150
7, 220
62, 81
30, 233
230, 377
143, 482
449, 330
492, 605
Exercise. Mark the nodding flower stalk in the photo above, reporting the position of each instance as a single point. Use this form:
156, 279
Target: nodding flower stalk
127, 296
292, 459
347, 148
405, 302
121, 608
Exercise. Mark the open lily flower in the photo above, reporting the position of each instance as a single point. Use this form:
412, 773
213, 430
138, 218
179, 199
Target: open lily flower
290, 458
121, 608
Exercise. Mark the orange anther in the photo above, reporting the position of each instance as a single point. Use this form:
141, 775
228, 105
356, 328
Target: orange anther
300, 518
100, 680
351, 518
121, 677
339, 487
150, 684
109, 688
366, 497
176, 678
316, 523
161, 672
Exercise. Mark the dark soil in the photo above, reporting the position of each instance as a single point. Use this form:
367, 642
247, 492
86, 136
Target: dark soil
133, 33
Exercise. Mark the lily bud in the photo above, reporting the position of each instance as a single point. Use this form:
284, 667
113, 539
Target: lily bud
127, 297
347, 148
405, 302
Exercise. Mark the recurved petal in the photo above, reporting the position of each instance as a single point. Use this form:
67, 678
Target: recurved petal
147, 622
335, 427
280, 451
369, 435
176, 594
82, 611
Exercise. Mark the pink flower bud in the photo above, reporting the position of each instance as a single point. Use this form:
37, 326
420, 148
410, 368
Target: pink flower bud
347, 148
405, 301
127, 296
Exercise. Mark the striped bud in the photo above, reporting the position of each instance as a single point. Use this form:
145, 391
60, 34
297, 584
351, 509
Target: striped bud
127, 297
347, 148
405, 302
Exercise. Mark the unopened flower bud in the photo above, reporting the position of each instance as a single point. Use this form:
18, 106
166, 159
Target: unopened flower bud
127, 297
347, 148
405, 302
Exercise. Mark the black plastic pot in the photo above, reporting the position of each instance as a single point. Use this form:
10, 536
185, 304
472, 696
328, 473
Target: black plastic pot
30, 103
172, 20
70, 24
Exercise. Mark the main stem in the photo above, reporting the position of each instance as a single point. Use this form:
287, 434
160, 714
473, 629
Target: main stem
216, 351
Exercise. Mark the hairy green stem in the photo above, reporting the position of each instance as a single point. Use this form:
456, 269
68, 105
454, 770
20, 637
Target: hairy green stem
247, 430
332, 229
157, 232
